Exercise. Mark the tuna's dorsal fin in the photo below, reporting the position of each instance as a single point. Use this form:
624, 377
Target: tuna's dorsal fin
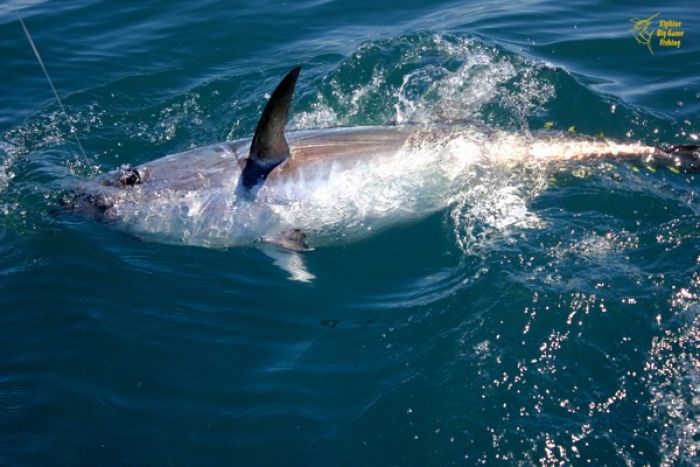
269, 147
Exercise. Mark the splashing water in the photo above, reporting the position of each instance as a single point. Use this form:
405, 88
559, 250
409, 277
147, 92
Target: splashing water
438, 79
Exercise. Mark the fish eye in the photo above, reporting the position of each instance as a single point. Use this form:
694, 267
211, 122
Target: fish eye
130, 177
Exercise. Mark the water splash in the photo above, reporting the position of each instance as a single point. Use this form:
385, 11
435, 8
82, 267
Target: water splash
490, 209
427, 79
47, 131
9, 154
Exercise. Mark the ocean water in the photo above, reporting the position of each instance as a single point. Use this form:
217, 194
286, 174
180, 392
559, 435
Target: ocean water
542, 318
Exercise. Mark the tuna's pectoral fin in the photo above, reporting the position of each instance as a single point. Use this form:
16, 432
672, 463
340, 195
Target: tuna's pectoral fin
292, 240
285, 250
290, 261
269, 147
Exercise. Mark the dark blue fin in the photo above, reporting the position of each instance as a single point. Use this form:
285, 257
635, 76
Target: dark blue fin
269, 147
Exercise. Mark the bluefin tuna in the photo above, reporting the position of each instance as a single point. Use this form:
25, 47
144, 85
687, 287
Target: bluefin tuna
290, 192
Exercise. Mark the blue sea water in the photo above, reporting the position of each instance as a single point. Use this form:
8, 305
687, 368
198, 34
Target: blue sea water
541, 319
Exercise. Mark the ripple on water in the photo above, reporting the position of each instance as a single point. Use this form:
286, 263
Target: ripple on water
673, 379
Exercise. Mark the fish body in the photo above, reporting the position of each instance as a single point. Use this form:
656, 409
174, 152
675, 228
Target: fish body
338, 185
296, 191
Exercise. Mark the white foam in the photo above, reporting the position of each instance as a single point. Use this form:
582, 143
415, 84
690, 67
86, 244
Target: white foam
10, 154
443, 78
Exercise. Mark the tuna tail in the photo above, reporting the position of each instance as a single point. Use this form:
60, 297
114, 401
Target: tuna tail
682, 157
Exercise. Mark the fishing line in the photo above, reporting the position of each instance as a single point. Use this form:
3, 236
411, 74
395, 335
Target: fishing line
55, 93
